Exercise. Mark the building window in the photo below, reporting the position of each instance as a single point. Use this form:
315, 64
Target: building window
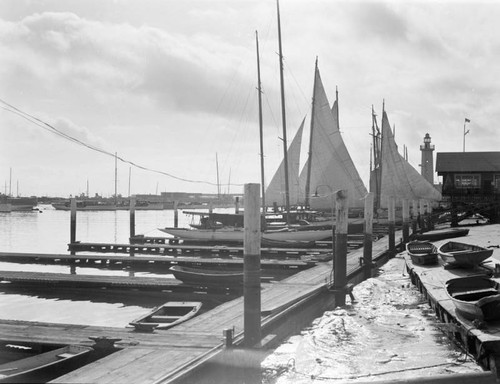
467, 181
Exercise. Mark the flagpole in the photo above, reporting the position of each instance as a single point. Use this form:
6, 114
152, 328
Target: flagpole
465, 122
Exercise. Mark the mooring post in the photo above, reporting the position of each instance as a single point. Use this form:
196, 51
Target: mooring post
422, 215
340, 255
414, 214
392, 225
368, 236
131, 206
237, 205
72, 226
176, 214
406, 221
210, 207
132, 215
251, 267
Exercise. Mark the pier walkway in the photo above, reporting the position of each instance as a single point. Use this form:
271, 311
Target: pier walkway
482, 341
165, 356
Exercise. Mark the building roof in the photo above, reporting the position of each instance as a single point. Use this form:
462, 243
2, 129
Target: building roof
468, 162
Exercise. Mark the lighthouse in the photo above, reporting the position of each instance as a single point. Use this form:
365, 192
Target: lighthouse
427, 164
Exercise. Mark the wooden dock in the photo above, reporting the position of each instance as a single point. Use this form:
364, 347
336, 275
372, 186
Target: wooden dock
483, 343
189, 348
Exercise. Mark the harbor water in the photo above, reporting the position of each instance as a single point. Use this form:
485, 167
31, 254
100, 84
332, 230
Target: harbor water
388, 332
47, 230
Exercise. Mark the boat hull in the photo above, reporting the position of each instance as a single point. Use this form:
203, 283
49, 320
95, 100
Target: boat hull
167, 315
475, 297
463, 255
441, 234
207, 278
236, 235
58, 361
422, 252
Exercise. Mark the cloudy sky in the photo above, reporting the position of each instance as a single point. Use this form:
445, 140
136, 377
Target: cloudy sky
170, 85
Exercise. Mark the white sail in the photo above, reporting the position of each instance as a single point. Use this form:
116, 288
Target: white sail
275, 192
399, 178
331, 165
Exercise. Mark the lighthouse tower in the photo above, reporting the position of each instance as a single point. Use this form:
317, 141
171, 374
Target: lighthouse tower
427, 164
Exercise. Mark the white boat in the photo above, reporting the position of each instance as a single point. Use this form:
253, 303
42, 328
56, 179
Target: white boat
167, 315
236, 235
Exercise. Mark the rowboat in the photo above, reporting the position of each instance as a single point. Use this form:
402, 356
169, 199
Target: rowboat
167, 315
463, 255
207, 277
52, 363
441, 234
475, 297
422, 252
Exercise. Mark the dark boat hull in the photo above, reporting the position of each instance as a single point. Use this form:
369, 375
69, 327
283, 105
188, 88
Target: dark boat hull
475, 297
204, 277
422, 252
441, 234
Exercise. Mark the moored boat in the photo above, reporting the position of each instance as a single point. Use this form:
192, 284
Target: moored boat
207, 277
441, 234
475, 297
55, 361
236, 235
167, 315
422, 252
463, 255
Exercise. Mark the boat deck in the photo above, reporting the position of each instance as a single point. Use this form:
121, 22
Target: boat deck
481, 342
165, 355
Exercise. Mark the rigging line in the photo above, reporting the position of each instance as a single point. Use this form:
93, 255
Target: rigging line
46, 126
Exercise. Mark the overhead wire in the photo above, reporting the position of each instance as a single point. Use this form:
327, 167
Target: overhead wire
44, 125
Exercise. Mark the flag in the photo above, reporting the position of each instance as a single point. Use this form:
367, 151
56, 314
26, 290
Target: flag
467, 120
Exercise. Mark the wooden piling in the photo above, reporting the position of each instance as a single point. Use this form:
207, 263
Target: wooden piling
72, 226
132, 200
176, 214
406, 221
421, 215
251, 267
392, 225
414, 216
368, 235
237, 205
340, 255
430, 220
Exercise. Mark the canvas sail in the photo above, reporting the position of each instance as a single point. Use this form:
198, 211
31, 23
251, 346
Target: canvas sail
275, 192
331, 167
398, 178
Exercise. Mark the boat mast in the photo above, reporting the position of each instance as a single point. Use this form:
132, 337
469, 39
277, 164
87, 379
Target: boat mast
283, 117
309, 160
116, 179
261, 131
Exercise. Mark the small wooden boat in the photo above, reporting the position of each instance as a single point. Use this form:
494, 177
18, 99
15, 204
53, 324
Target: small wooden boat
167, 315
441, 234
422, 252
52, 363
475, 297
207, 277
463, 255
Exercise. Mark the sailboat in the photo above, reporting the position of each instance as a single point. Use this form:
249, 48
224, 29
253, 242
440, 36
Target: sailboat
329, 166
395, 176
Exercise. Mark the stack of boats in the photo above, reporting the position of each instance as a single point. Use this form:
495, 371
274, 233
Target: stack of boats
476, 297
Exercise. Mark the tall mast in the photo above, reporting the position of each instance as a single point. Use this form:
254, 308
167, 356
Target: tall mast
218, 182
309, 161
261, 131
283, 117
116, 178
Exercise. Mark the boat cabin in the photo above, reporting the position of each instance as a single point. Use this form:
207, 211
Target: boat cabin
471, 178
